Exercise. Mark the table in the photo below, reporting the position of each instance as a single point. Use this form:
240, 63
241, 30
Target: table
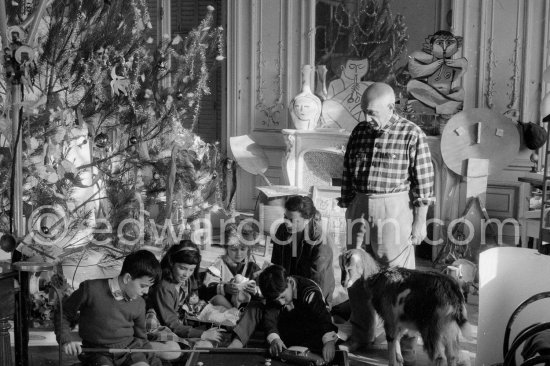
232, 357
530, 219
255, 357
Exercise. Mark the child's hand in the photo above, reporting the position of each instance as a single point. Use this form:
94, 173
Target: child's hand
230, 288
72, 348
276, 347
250, 287
212, 334
328, 350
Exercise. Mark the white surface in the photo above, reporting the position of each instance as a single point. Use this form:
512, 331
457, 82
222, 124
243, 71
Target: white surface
479, 124
507, 277
249, 155
37, 338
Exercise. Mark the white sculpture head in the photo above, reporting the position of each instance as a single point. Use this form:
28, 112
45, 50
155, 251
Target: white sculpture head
305, 110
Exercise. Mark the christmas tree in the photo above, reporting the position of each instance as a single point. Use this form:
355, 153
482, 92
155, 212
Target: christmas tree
368, 31
101, 126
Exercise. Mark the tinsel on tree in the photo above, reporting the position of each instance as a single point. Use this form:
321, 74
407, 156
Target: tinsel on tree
367, 30
104, 110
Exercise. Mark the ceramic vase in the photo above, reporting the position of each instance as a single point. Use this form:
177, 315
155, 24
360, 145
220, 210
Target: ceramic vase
321, 86
305, 108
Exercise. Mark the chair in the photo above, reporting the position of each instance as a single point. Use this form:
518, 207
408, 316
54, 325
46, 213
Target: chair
509, 350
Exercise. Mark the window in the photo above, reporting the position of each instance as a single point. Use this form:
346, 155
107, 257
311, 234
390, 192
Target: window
184, 16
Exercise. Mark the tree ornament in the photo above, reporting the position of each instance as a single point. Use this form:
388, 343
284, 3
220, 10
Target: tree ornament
8, 243
119, 84
179, 96
156, 176
101, 140
133, 140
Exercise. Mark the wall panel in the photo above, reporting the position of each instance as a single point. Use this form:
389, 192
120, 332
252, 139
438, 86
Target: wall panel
268, 42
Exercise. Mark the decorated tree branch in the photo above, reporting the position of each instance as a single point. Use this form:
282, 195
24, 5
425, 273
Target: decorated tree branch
99, 114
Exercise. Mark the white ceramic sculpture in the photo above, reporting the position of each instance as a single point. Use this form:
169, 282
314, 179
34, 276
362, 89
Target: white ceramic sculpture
305, 108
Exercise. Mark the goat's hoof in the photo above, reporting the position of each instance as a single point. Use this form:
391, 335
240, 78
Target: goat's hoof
408, 357
463, 359
440, 361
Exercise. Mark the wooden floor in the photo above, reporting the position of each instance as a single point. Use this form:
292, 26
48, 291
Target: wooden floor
378, 355
44, 352
48, 355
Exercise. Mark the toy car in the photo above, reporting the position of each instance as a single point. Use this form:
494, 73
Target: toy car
301, 356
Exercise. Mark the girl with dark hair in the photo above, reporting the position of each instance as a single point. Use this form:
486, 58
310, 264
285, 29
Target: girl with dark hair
177, 291
301, 247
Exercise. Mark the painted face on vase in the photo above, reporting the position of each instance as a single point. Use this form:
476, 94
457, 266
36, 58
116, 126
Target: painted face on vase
305, 108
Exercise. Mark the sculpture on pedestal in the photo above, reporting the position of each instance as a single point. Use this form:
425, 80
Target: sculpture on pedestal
305, 108
434, 75
342, 108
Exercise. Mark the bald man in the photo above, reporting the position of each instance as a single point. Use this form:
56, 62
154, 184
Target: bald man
387, 182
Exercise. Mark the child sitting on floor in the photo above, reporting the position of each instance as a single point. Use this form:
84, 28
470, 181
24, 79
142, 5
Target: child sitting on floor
230, 281
111, 314
173, 298
295, 314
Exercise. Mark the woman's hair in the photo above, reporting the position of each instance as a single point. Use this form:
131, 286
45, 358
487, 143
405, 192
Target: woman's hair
185, 252
142, 263
273, 281
305, 206
302, 204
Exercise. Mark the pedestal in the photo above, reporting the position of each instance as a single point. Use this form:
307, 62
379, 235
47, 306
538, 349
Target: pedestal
22, 309
7, 301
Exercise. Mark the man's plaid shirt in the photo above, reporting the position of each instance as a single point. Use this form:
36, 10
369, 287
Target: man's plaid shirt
394, 159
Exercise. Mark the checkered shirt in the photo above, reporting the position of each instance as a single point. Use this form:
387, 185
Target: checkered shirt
394, 159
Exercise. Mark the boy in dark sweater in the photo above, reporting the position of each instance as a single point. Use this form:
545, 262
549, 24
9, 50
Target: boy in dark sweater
295, 314
111, 314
